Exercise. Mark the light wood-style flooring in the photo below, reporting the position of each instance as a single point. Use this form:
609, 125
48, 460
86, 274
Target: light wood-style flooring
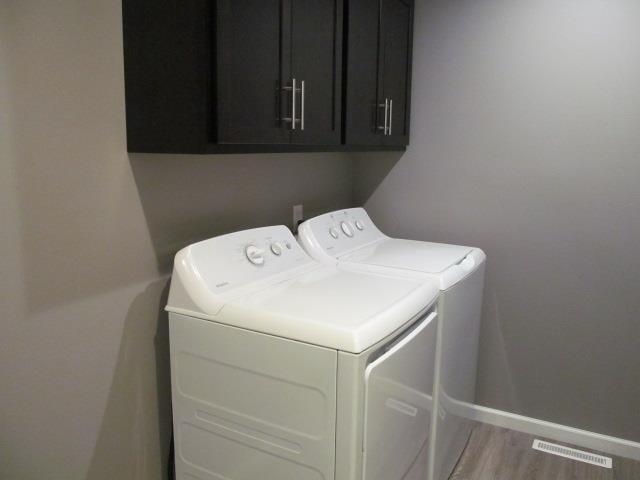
495, 453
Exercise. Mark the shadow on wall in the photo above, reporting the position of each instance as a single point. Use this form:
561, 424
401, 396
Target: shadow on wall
75, 210
372, 168
141, 386
188, 198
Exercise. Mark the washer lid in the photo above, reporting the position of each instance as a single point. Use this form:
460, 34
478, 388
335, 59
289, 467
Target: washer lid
427, 257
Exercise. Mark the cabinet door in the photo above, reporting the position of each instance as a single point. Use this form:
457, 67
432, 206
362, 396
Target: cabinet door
251, 36
316, 60
396, 21
362, 115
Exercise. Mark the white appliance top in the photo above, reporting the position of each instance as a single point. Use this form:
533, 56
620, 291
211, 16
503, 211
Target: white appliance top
426, 257
262, 280
350, 238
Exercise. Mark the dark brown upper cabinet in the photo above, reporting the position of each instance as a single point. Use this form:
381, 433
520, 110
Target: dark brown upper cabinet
218, 76
378, 73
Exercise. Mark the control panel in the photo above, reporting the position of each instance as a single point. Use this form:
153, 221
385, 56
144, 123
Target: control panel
338, 232
257, 255
240, 258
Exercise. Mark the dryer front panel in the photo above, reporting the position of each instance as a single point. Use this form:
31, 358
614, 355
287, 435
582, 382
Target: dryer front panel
398, 405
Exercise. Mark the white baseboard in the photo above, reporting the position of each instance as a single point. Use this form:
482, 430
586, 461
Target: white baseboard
561, 433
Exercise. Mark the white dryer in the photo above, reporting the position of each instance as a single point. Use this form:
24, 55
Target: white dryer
349, 239
286, 369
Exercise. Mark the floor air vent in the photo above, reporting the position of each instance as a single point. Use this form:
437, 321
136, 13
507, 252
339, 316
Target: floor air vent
572, 453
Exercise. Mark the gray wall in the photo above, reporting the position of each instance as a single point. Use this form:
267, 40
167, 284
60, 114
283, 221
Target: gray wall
86, 238
526, 142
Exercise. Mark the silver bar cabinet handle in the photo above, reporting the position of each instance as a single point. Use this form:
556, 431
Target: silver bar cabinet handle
293, 105
390, 115
386, 110
302, 106
292, 119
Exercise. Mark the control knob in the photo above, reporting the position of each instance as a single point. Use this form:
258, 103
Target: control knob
276, 249
346, 229
254, 254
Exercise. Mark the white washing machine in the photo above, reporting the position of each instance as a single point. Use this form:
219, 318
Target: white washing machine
286, 369
350, 239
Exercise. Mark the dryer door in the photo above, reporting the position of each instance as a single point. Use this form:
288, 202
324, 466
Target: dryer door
398, 399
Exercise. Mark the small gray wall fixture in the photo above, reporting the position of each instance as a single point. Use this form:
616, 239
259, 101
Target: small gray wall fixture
525, 142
